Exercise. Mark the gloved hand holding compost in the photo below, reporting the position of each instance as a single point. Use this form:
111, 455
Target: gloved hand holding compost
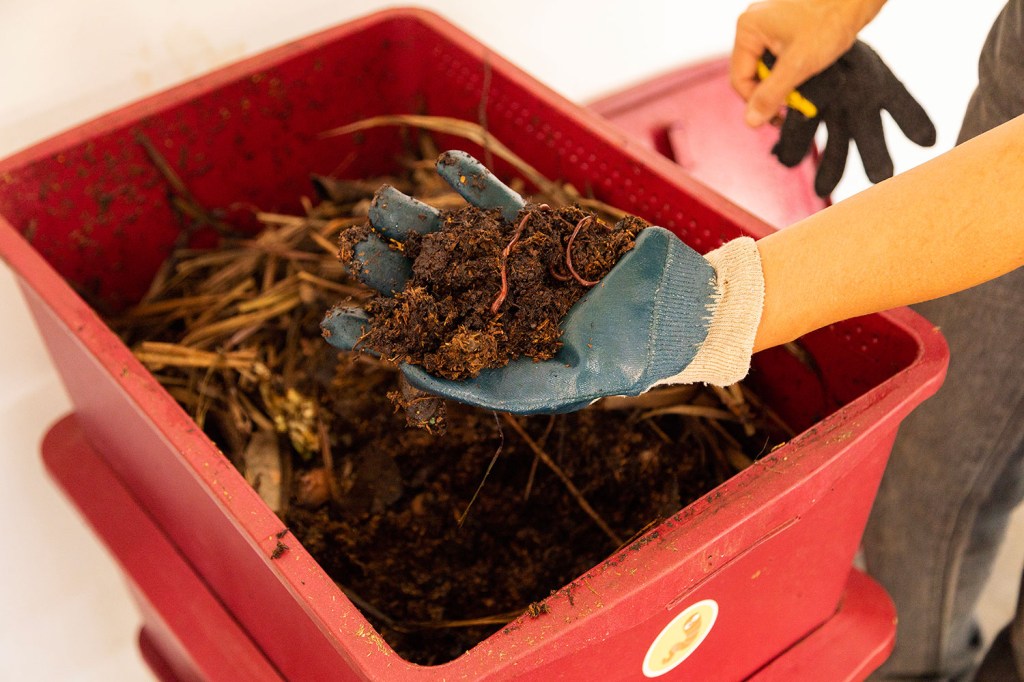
459, 309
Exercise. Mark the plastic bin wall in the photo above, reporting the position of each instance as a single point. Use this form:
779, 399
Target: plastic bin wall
87, 211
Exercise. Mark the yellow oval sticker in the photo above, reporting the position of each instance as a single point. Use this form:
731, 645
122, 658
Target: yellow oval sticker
680, 637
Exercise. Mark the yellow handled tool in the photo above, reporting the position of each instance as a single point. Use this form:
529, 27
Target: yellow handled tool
794, 100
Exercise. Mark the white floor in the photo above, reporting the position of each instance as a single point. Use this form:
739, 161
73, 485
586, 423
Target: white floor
66, 615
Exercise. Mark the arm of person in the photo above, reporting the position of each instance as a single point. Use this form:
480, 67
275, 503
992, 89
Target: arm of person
806, 36
949, 224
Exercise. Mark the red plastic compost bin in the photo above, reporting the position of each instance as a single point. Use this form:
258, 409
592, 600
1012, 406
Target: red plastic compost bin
760, 564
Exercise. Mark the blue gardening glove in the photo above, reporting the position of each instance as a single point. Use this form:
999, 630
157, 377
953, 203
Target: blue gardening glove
848, 97
664, 314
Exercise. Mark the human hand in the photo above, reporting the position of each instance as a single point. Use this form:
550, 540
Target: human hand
663, 314
850, 96
806, 37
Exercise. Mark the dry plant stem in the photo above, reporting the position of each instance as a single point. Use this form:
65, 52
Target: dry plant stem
413, 626
541, 442
294, 220
183, 199
158, 354
324, 243
353, 291
557, 470
763, 409
206, 398
690, 411
658, 431
460, 128
732, 398
328, 457
496, 619
497, 453
478, 134
661, 397
173, 305
367, 607
207, 335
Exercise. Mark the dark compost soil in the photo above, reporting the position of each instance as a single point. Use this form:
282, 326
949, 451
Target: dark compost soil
486, 291
433, 587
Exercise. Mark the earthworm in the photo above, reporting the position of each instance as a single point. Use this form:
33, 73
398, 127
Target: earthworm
568, 252
504, 264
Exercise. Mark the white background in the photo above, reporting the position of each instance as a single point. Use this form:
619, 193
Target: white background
65, 614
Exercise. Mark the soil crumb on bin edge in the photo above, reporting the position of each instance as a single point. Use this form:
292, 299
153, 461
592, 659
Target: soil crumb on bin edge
485, 291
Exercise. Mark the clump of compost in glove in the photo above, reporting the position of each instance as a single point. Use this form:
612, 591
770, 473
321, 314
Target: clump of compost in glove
485, 291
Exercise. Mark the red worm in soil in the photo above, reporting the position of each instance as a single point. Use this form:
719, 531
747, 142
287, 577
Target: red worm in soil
504, 263
557, 275
568, 252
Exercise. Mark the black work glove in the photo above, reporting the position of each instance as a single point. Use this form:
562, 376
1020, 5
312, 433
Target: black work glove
850, 96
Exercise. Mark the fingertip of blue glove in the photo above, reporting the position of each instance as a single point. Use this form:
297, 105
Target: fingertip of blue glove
380, 267
477, 184
344, 326
397, 215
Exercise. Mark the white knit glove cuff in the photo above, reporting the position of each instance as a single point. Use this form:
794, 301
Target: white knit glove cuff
724, 357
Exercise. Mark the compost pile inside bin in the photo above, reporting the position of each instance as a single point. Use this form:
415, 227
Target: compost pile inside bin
440, 539
485, 291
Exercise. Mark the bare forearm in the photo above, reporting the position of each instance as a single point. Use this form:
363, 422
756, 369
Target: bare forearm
947, 225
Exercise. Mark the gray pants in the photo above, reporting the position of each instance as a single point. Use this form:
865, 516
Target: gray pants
957, 470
